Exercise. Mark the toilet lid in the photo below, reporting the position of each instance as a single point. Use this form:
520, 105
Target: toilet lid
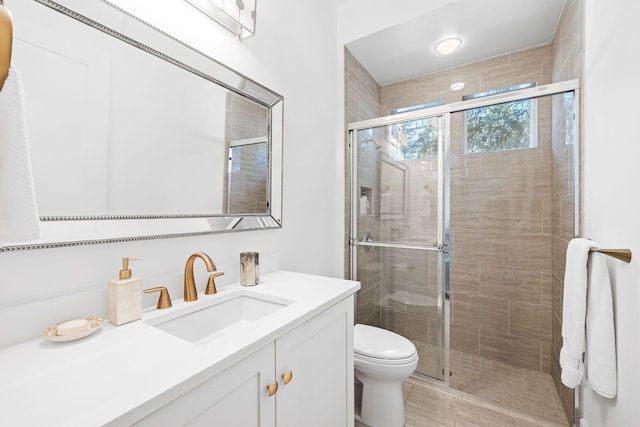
381, 344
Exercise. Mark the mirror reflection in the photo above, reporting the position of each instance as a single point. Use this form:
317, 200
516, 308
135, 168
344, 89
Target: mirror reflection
141, 127
138, 135
247, 176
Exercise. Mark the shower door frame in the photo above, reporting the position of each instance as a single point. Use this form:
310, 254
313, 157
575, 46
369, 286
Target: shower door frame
442, 243
442, 239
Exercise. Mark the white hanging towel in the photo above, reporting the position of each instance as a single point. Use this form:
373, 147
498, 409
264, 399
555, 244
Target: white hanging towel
587, 321
574, 308
601, 335
19, 220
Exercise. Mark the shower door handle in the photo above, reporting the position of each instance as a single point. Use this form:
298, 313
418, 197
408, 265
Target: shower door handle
438, 247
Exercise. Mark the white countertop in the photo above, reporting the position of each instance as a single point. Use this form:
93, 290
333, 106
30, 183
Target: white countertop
119, 374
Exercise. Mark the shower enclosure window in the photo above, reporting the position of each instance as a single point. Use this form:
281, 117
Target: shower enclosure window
500, 127
416, 139
416, 107
569, 119
508, 126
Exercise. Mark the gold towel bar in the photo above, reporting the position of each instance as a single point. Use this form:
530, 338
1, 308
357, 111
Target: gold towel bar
621, 254
6, 40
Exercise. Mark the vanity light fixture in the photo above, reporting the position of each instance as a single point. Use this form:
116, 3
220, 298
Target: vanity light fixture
457, 86
237, 16
448, 45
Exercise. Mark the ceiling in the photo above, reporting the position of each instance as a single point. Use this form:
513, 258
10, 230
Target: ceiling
487, 28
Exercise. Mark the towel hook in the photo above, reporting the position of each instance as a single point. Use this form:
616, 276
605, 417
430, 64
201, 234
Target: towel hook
6, 41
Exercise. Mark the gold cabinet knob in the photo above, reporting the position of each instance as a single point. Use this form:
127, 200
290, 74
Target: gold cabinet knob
211, 284
273, 388
286, 378
164, 301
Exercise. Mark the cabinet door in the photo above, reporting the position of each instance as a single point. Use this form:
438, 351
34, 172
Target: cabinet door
319, 356
237, 397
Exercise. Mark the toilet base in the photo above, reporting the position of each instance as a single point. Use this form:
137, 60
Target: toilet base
388, 414
383, 360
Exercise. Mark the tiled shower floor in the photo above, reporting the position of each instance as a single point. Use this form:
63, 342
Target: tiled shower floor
521, 389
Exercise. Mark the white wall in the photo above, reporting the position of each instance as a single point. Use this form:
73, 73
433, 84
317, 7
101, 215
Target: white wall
294, 54
611, 176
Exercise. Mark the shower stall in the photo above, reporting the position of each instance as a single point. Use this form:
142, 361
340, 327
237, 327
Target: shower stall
459, 218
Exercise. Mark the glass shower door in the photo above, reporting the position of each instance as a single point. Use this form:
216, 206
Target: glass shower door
398, 231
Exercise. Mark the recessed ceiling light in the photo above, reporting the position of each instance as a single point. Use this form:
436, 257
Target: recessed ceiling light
448, 45
457, 86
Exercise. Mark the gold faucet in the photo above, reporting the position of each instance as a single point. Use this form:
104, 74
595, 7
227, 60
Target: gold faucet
190, 291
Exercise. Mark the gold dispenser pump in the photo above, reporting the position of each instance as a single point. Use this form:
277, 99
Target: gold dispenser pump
6, 41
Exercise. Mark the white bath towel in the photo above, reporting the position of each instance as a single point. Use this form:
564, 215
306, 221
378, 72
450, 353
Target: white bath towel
19, 220
601, 341
588, 317
574, 311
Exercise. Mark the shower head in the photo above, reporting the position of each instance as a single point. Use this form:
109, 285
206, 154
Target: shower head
378, 146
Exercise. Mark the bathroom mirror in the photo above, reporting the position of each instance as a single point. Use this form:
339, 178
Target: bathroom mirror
134, 135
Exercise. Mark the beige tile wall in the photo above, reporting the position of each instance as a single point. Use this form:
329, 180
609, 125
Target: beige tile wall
566, 51
248, 180
409, 301
362, 101
362, 92
500, 257
519, 67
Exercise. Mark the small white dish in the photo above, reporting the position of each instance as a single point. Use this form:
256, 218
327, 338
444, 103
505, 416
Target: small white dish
92, 325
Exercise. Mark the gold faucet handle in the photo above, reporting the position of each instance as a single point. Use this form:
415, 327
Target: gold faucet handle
211, 284
165, 300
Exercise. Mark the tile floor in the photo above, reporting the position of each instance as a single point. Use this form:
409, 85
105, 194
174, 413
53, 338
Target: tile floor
481, 393
521, 389
516, 388
431, 405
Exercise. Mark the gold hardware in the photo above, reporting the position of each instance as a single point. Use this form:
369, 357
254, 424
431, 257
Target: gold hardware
286, 378
165, 300
211, 284
621, 254
6, 41
125, 273
273, 388
190, 291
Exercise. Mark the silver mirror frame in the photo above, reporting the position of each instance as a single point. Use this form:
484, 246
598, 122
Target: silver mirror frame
64, 231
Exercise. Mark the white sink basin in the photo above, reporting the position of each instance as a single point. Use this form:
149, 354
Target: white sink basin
206, 322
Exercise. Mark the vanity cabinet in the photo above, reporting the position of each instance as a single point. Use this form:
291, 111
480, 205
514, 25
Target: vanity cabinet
235, 397
319, 356
311, 364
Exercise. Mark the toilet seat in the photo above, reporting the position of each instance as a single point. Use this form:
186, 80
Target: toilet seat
391, 362
381, 346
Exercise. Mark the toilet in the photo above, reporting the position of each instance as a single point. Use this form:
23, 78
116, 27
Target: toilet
383, 360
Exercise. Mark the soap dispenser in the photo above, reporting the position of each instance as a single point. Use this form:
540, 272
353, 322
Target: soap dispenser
125, 296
